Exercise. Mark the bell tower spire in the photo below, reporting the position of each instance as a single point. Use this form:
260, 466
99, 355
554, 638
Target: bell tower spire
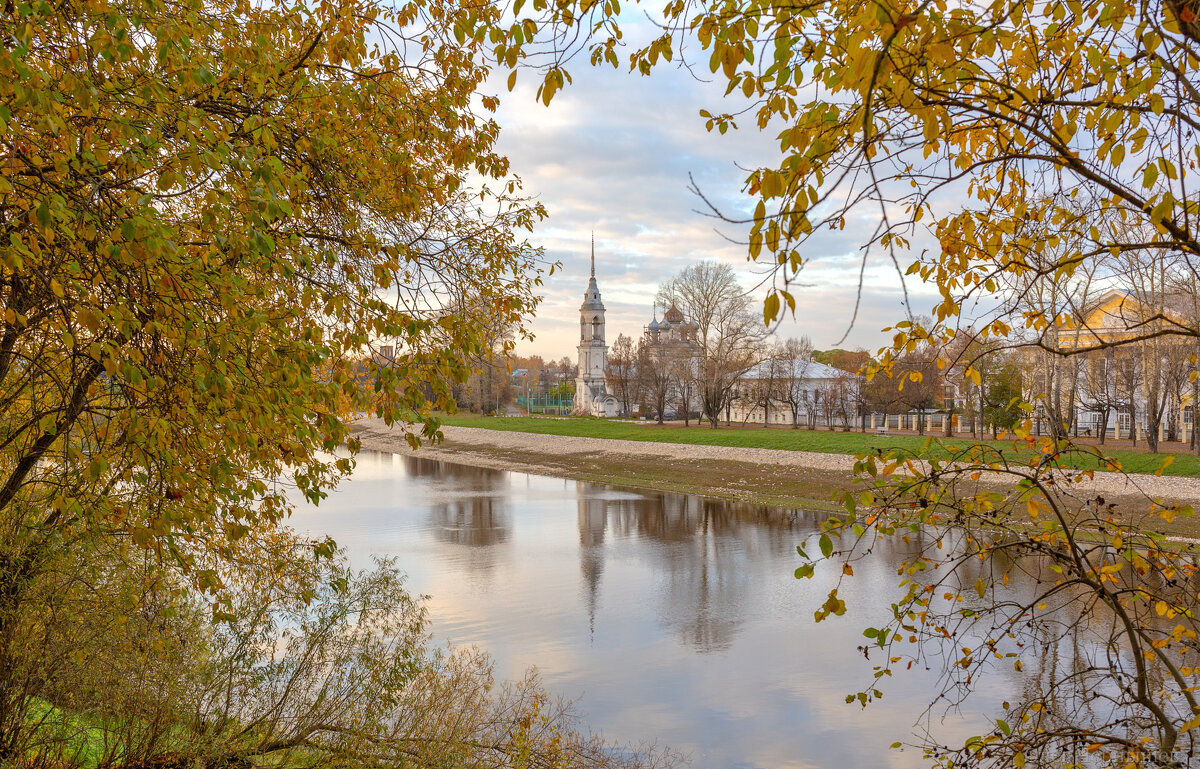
593, 351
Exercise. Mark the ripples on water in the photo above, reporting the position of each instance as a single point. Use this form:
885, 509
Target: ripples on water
669, 618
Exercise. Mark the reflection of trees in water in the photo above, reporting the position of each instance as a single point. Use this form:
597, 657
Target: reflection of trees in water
469, 508
705, 562
1080, 693
474, 522
704, 547
460, 477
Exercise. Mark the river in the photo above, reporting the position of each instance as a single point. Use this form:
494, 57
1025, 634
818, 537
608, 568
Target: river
667, 618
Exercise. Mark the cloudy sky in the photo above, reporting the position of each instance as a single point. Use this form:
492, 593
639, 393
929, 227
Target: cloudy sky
613, 154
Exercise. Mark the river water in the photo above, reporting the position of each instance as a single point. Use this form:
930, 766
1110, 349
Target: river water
667, 618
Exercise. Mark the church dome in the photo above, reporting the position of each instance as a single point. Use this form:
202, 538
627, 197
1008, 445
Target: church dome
654, 325
673, 315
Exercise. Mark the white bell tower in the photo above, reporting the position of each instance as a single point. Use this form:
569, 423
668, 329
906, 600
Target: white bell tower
593, 352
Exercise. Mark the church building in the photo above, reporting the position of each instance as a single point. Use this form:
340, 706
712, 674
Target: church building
592, 397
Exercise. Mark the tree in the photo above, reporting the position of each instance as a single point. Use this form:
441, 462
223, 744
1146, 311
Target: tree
977, 126
918, 383
489, 385
798, 356
211, 213
527, 373
729, 332
1129, 378
656, 378
564, 391
1149, 275
879, 391
770, 383
1000, 395
846, 360
1099, 392
623, 374
319, 665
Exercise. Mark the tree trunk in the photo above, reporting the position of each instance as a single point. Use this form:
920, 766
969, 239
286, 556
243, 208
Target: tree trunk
1196, 408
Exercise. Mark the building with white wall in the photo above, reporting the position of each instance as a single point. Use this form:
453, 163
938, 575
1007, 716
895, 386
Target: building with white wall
592, 396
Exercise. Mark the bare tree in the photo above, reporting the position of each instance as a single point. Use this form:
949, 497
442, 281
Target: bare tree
1098, 393
1148, 275
768, 383
729, 329
623, 374
654, 378
1128, 371
797, 353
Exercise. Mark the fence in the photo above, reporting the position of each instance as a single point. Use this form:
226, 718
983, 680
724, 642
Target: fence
545, 403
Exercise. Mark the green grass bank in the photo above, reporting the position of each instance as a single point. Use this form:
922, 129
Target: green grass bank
1133, 460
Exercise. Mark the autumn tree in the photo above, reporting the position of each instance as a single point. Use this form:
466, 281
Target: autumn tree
846, 360
918, 383
966, 133
211, 212
527, 372
623, 374
1149, 276
320, 664
1000, 394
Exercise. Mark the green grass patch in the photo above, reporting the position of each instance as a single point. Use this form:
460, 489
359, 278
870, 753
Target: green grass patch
820, 441
80, 740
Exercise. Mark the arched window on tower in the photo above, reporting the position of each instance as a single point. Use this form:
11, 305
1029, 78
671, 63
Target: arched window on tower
596, 327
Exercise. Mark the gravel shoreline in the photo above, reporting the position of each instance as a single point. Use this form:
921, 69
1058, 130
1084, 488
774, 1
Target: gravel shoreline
479, 446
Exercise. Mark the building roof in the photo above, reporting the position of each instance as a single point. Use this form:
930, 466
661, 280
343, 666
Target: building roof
591, 298
802, 369
673, 315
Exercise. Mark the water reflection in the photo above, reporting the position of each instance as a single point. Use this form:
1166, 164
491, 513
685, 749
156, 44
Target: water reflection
672, 618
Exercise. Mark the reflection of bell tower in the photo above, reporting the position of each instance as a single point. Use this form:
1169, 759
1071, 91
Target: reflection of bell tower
593, 520
593, 352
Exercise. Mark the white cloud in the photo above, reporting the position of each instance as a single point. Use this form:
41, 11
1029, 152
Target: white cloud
613, 154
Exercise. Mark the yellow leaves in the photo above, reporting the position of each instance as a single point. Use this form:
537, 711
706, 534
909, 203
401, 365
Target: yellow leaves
1190, 725
771, 184
555, 79
770, 307
833, 605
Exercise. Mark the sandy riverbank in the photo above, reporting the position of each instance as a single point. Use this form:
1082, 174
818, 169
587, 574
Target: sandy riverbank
766, 476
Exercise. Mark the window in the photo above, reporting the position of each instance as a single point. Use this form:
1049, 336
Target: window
1123, 421
1187, 415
